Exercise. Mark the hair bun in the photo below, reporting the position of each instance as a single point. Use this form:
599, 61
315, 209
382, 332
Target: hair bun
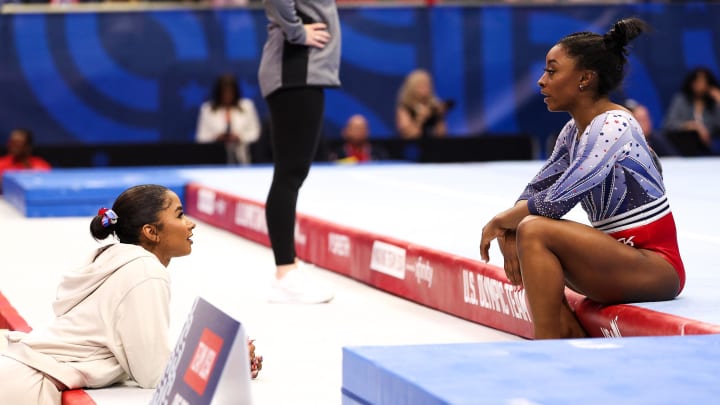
98, 230
622, 33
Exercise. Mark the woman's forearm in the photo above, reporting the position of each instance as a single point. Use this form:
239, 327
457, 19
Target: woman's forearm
510, 218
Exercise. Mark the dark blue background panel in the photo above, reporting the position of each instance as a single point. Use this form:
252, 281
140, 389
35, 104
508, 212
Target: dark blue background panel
129, 77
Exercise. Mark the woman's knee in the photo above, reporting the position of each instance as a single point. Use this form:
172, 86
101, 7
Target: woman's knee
25, 385
532, 229
291, 177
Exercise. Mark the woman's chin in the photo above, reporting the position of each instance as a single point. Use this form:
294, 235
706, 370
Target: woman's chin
186, 252
555, 108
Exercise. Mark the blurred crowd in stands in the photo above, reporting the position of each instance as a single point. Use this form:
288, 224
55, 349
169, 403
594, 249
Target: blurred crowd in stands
691, 126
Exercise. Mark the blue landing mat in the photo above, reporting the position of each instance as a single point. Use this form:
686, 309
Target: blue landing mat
637, 371
80, 192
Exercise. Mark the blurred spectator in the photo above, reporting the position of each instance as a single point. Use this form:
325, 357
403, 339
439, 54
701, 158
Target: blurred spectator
357, 147
230, 119
420, 113
19, 154
696, 107
657, 141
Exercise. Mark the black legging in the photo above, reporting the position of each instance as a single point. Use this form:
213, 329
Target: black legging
296, 116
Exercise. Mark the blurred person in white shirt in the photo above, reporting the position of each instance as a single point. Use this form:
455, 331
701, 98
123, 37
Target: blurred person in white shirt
229, 118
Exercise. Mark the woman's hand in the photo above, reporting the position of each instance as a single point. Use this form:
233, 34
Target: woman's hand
715, 94
316, 35
502, 227
705, 135
227, 138
255, 361
508, 247
492, 230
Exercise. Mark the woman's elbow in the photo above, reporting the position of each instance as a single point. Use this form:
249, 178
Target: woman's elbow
150, 377
151, 370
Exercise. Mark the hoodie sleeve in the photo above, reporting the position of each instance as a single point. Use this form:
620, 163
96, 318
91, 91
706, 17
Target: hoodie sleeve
142, 326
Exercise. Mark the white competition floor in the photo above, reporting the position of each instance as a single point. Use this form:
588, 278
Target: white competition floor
301, 344
445, 207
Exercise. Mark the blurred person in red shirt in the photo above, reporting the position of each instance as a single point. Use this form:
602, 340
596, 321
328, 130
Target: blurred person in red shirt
357, 147
19, 154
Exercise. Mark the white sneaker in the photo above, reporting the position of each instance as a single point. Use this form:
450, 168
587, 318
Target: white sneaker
296, 288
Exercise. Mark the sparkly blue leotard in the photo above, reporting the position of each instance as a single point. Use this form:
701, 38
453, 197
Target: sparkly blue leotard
609, 170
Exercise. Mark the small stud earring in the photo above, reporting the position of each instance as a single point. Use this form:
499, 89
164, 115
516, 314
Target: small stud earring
581, 87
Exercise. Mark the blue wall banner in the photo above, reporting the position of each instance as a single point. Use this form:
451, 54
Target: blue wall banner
140, 76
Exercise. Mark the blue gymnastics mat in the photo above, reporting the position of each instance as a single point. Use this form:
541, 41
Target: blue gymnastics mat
637, 371
80, 192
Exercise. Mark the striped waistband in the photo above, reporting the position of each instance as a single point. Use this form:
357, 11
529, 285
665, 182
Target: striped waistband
639, 216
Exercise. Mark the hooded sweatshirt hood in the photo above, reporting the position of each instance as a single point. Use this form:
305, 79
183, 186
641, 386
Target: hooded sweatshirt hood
112, 320
79, 284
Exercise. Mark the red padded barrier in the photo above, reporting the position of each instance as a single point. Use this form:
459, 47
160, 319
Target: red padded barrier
456, 285
76, 397
11, 319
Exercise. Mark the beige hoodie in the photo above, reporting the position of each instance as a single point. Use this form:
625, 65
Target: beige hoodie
111, 323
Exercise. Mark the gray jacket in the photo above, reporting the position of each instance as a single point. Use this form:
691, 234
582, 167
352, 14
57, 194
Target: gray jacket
286, 61
681, 110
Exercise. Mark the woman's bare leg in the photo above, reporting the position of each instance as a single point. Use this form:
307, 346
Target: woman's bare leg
554, 253
570, 324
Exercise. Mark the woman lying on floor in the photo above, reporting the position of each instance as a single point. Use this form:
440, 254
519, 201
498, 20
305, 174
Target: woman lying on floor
112, 316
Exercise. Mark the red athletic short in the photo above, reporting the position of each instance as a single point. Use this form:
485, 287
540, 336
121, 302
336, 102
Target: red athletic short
659, 236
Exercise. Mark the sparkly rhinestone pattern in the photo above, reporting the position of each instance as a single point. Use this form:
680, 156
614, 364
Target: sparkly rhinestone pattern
609, 170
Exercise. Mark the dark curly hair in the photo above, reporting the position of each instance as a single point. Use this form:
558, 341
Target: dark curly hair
604, 54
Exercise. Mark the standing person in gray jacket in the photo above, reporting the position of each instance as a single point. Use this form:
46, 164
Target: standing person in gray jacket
300, 58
